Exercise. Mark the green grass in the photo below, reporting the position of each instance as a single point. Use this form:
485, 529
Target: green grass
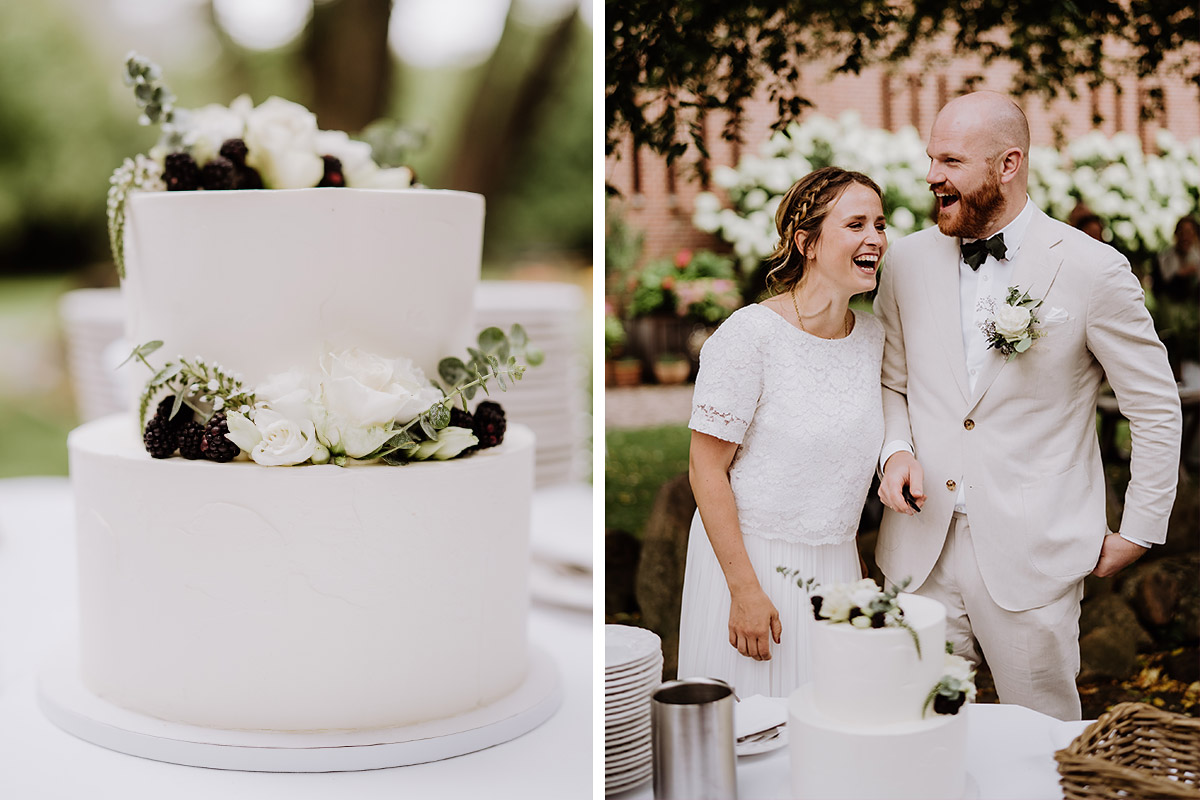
34, 438
33, 422
637, 463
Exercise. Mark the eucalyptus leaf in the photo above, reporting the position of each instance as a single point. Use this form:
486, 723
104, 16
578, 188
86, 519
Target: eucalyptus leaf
1024, 344
518, 337
439, 415
493, 340
453, 371
534, 357
427, 428
397, 458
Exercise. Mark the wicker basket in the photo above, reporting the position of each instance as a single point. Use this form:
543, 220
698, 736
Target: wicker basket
1133, 751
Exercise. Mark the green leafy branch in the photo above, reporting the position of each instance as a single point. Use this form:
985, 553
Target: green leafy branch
204, 388
150, 92
496, 357
139, 172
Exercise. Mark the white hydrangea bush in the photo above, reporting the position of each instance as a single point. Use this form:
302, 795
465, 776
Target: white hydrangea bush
1139, 196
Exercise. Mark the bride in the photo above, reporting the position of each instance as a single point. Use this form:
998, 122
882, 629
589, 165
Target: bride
787, 426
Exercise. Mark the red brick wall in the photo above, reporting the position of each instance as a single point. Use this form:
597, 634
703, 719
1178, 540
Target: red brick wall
659, 201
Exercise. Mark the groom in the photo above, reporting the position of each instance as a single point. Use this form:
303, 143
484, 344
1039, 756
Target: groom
1001, 454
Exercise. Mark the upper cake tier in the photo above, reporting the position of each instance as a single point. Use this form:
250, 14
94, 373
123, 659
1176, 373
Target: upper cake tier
263, 281
874, 676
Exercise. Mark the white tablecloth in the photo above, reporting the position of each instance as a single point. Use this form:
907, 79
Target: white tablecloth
40, 762
1010, 756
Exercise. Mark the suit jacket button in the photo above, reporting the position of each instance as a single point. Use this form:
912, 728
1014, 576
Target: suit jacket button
969, 424
951, 485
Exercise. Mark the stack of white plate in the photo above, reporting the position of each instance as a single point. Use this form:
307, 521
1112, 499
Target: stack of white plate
560, 539
632, 671
94, 324
550, 397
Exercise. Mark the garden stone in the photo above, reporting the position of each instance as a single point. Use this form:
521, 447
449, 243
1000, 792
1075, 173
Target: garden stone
621, 552
1152, 590
1111, 612
659, 584
1107, 653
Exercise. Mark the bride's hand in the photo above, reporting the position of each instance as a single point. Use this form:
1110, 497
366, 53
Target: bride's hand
753, 622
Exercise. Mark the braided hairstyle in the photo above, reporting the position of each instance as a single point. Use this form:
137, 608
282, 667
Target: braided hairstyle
803, 209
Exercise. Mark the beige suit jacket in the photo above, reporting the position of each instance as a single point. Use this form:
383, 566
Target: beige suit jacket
1024, 442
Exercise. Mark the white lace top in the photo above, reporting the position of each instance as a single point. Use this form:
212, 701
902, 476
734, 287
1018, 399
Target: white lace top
808, 415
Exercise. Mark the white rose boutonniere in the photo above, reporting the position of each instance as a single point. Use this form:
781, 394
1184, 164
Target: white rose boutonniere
281, 142
1013, 326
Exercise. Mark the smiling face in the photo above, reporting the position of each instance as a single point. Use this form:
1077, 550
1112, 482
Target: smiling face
965, 180
852, 241
977, 167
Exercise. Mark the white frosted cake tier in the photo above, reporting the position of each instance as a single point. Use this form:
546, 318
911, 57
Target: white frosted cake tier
265, 281
300, 598
921, 759
874, 676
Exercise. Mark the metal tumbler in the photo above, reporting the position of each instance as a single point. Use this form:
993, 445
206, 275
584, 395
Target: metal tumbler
692, 730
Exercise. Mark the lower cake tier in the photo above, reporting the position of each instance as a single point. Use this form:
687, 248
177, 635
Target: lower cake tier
920, 760
300, 598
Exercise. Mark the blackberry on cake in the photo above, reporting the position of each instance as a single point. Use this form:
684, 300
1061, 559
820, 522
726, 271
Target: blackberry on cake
489, 424
181, 418
159, 439
214, 445
191, 438
333, 175
235, 151
217, 174
246, 178
181, 173
461, 419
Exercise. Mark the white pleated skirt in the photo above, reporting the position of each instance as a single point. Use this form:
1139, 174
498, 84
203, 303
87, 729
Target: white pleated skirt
704, 649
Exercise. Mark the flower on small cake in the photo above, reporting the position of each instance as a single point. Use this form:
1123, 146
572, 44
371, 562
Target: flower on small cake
956, 687
862, 604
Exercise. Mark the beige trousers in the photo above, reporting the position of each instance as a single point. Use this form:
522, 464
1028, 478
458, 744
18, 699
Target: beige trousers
1033, 654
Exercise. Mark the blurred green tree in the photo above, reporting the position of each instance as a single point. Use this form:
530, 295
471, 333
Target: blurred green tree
667, 60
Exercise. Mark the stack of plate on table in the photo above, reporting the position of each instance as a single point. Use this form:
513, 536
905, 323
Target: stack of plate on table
560, 539
94, 324
550, 397
632, 671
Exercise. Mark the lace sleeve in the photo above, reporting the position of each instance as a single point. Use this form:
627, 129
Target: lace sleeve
728, 384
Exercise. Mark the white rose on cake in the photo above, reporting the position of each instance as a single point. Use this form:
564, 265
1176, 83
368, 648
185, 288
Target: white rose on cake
273, 440
368, 390
1011, 321
281, 144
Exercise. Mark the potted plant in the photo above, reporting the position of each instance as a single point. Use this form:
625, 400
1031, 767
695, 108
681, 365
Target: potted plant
627, 372
671, 369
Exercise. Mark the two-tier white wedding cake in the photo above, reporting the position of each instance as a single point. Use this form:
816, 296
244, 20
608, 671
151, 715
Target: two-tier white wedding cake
865, 726
302, 598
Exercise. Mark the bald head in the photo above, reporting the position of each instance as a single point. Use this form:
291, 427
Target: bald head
989, 118
978, 165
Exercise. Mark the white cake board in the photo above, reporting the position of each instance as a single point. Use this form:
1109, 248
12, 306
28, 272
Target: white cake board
70, 706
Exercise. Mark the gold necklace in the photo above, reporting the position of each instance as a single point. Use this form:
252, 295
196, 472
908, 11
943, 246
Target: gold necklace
800, 319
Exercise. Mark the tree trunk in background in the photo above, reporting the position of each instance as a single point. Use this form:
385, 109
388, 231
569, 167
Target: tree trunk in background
346, 52
501, 118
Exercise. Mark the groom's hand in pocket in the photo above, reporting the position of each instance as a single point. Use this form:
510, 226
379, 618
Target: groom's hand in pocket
902, 469
1116, 554
753, 623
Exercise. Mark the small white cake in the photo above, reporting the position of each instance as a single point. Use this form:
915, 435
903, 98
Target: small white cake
859, 728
